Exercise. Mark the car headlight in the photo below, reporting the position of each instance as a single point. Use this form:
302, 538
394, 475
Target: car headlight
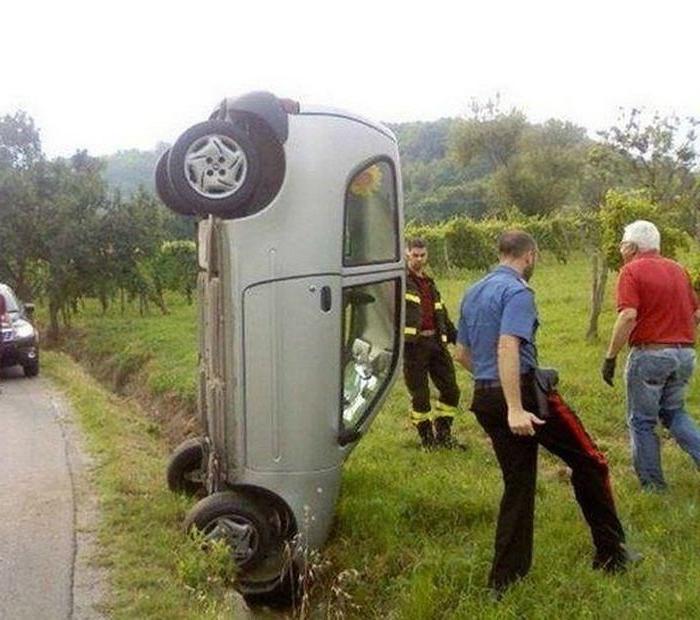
23, 329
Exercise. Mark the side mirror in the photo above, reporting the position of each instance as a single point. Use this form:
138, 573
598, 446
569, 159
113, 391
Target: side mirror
29, 309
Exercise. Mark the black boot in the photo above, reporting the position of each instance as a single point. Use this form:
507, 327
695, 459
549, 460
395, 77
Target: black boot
618, 562
425, 430
443, 434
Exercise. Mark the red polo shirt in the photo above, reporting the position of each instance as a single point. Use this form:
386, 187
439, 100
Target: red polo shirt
661, 292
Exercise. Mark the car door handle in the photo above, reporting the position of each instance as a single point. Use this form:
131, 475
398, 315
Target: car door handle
326, 300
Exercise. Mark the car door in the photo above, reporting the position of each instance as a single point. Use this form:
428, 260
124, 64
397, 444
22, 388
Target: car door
292, 359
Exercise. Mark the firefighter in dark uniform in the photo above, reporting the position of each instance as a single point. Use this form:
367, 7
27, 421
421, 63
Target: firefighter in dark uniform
427, 332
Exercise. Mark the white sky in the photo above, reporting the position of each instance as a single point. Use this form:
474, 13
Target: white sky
107, 75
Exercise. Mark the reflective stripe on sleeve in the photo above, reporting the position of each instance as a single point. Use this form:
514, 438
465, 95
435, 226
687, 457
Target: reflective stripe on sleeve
410, 331
413, 298
439, 305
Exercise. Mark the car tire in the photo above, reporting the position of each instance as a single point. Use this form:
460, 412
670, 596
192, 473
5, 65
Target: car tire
31, 369
185, 471
235, 519
285, 594
165, 189
272, 163
214, 168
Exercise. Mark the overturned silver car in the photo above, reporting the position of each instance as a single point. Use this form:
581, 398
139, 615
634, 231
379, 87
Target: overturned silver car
300, 290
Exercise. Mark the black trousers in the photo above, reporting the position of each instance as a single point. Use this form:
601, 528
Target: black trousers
429, 357
562, 435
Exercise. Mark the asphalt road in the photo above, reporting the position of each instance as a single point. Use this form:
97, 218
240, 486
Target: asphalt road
47, 509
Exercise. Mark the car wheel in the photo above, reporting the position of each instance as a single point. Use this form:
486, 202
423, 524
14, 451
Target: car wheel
185, 472
236, 520
214, 168
164, 187
286, 593
31, 369
272, 163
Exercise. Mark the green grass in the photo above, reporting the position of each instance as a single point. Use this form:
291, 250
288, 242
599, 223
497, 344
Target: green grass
161, 352
155, 570
419, 527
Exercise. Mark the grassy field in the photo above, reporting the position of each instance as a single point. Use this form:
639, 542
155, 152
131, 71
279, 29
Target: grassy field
419, 527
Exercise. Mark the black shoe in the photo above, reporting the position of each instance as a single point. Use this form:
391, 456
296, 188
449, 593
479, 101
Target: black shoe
425, 430
443, 435
617, 563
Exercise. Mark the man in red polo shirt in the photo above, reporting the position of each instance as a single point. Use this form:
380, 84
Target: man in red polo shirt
657, 315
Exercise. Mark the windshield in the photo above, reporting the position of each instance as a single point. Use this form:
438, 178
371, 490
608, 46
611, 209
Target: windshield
10, 299
371, 216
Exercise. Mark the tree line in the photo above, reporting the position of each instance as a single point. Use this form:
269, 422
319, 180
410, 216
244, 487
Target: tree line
495, 160
65, 236
79, 227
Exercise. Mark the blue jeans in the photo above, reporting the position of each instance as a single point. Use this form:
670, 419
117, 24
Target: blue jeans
657, 380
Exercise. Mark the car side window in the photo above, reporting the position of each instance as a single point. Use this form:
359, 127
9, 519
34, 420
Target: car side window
371, 317
371, 216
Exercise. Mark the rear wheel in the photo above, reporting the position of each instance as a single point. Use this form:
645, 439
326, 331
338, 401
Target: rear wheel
185, 472
236, 520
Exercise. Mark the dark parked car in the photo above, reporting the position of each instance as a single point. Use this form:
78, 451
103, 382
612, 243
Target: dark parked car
20, 339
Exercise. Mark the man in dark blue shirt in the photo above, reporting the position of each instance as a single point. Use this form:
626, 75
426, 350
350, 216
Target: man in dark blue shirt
496, 343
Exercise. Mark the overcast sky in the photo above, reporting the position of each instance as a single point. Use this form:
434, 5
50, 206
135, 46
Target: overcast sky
106, 75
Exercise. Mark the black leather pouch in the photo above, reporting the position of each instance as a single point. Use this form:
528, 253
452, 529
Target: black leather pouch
546, 381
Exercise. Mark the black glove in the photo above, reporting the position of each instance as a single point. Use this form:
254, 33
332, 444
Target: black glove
451, 333
608, 370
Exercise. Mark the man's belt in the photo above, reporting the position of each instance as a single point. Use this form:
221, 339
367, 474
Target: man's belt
481, 384
655, 346
427, 333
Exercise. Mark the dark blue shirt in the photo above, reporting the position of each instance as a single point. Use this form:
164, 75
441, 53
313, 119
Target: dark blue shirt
500, 303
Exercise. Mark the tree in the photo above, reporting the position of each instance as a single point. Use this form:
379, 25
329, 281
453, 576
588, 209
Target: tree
603, 234
490, 133
176, 264
20, 152
20, 144
661, 156
658, 157
72, 201
532, 167
132, 232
